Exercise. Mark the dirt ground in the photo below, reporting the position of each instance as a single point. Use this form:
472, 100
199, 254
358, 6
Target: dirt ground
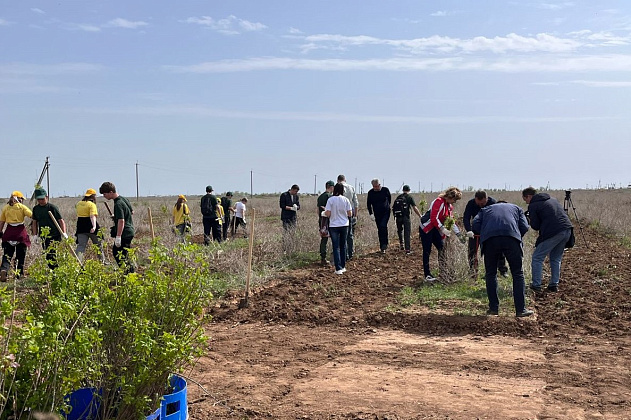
312, 345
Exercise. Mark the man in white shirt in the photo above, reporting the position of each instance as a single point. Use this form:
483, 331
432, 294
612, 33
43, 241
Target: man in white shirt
349, 192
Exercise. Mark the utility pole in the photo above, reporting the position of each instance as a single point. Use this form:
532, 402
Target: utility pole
137, 189
251, 188
315, 183
48, 176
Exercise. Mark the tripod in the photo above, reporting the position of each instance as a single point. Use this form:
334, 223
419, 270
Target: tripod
567, 204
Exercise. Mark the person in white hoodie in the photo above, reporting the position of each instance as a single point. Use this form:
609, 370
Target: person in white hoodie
339, 211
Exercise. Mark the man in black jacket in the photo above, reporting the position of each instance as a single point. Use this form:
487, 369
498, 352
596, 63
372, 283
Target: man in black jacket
378, 204
474, 205
210, 218
289, 204
554, 226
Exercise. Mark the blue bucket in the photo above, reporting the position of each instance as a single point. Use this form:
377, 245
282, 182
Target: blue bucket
85, 403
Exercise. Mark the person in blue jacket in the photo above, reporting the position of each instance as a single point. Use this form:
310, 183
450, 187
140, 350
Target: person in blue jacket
474, 205
554, 226
501, 228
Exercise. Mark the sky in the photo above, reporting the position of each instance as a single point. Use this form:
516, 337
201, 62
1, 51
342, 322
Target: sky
259, 95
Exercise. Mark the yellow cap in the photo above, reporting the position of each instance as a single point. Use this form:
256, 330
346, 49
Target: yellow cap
90, 192
17, 194
182, 197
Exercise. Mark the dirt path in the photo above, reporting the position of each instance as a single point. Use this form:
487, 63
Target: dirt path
318, 346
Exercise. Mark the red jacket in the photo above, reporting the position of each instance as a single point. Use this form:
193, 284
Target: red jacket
439, 211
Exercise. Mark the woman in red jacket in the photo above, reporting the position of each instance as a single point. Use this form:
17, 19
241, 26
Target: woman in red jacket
433, 230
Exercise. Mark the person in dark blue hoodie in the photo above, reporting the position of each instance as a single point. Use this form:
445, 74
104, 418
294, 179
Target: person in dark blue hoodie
554, 226
501, 228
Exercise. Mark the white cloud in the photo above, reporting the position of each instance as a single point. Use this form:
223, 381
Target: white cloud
555, 6
231, 25
124, 23
521, 64
439, 13
200, 111
48, 69
4, 22
441, 44
295, 31
81, 27
603, 84
39, 11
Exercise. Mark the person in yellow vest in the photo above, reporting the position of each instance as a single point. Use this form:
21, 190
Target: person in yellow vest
87, 225
181, 217
15, 238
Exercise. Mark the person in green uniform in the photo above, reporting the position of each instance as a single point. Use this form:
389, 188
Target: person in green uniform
41, 220
322, 199
123, 229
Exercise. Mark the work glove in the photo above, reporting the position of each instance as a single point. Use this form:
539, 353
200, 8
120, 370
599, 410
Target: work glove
446, 232
470, 234
64, 235
34, 239
372, 217
294, 207
117, 242
323, 214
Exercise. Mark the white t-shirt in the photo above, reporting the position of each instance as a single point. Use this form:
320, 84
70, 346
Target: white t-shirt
339, 206
240, 210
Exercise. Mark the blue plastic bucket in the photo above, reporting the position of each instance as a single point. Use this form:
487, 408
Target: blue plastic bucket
174, 406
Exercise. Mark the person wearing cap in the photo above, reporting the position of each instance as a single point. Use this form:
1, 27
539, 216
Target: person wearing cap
349, 192
239, 217
42, 222
15, 238
123, 230
87, 225
210, 216
402, 218
323, 221
226, 204
181, 217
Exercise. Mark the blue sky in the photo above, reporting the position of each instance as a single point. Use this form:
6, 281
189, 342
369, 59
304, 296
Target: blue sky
488, 94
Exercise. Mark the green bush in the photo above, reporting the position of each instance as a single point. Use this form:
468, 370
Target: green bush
95, 326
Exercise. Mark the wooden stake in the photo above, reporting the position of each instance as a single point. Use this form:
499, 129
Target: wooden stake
59, 229
153, 236
251, 245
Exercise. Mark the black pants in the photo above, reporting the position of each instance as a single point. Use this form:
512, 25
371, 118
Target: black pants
211, 226
236, 223
494, 249
473, 257
382, 229
121, 254
404, 226
434, 238
226, 226
20, 255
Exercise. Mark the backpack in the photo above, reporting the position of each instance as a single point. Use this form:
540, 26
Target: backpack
401, 207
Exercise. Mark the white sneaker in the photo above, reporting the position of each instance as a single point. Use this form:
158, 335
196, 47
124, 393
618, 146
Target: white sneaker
430, 278
344, 270
339, 272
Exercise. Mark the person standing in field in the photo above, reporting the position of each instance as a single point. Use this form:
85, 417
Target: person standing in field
501, 228
42, 221
15, 238
123, 229
289, 203
226, 204
87, 225
378, 205
210, 217
339, 211
554, 226
239, 217
349, 192
479, 201
181, 217
401, 212
323, 220
433, 231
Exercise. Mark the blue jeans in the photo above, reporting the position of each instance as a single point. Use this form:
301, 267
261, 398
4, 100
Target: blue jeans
350, 240
493, 249
338, 240
553, 248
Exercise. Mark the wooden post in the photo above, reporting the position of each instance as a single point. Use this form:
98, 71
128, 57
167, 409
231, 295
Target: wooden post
59, 229
153, 236
251, 245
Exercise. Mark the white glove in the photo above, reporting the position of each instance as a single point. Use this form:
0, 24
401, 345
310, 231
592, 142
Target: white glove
323, 214
34, 239
446, 232
294, 207
470, 234
64, 235
372, 217
117, 242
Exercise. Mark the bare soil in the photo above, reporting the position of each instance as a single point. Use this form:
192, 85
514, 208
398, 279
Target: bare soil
312, 345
